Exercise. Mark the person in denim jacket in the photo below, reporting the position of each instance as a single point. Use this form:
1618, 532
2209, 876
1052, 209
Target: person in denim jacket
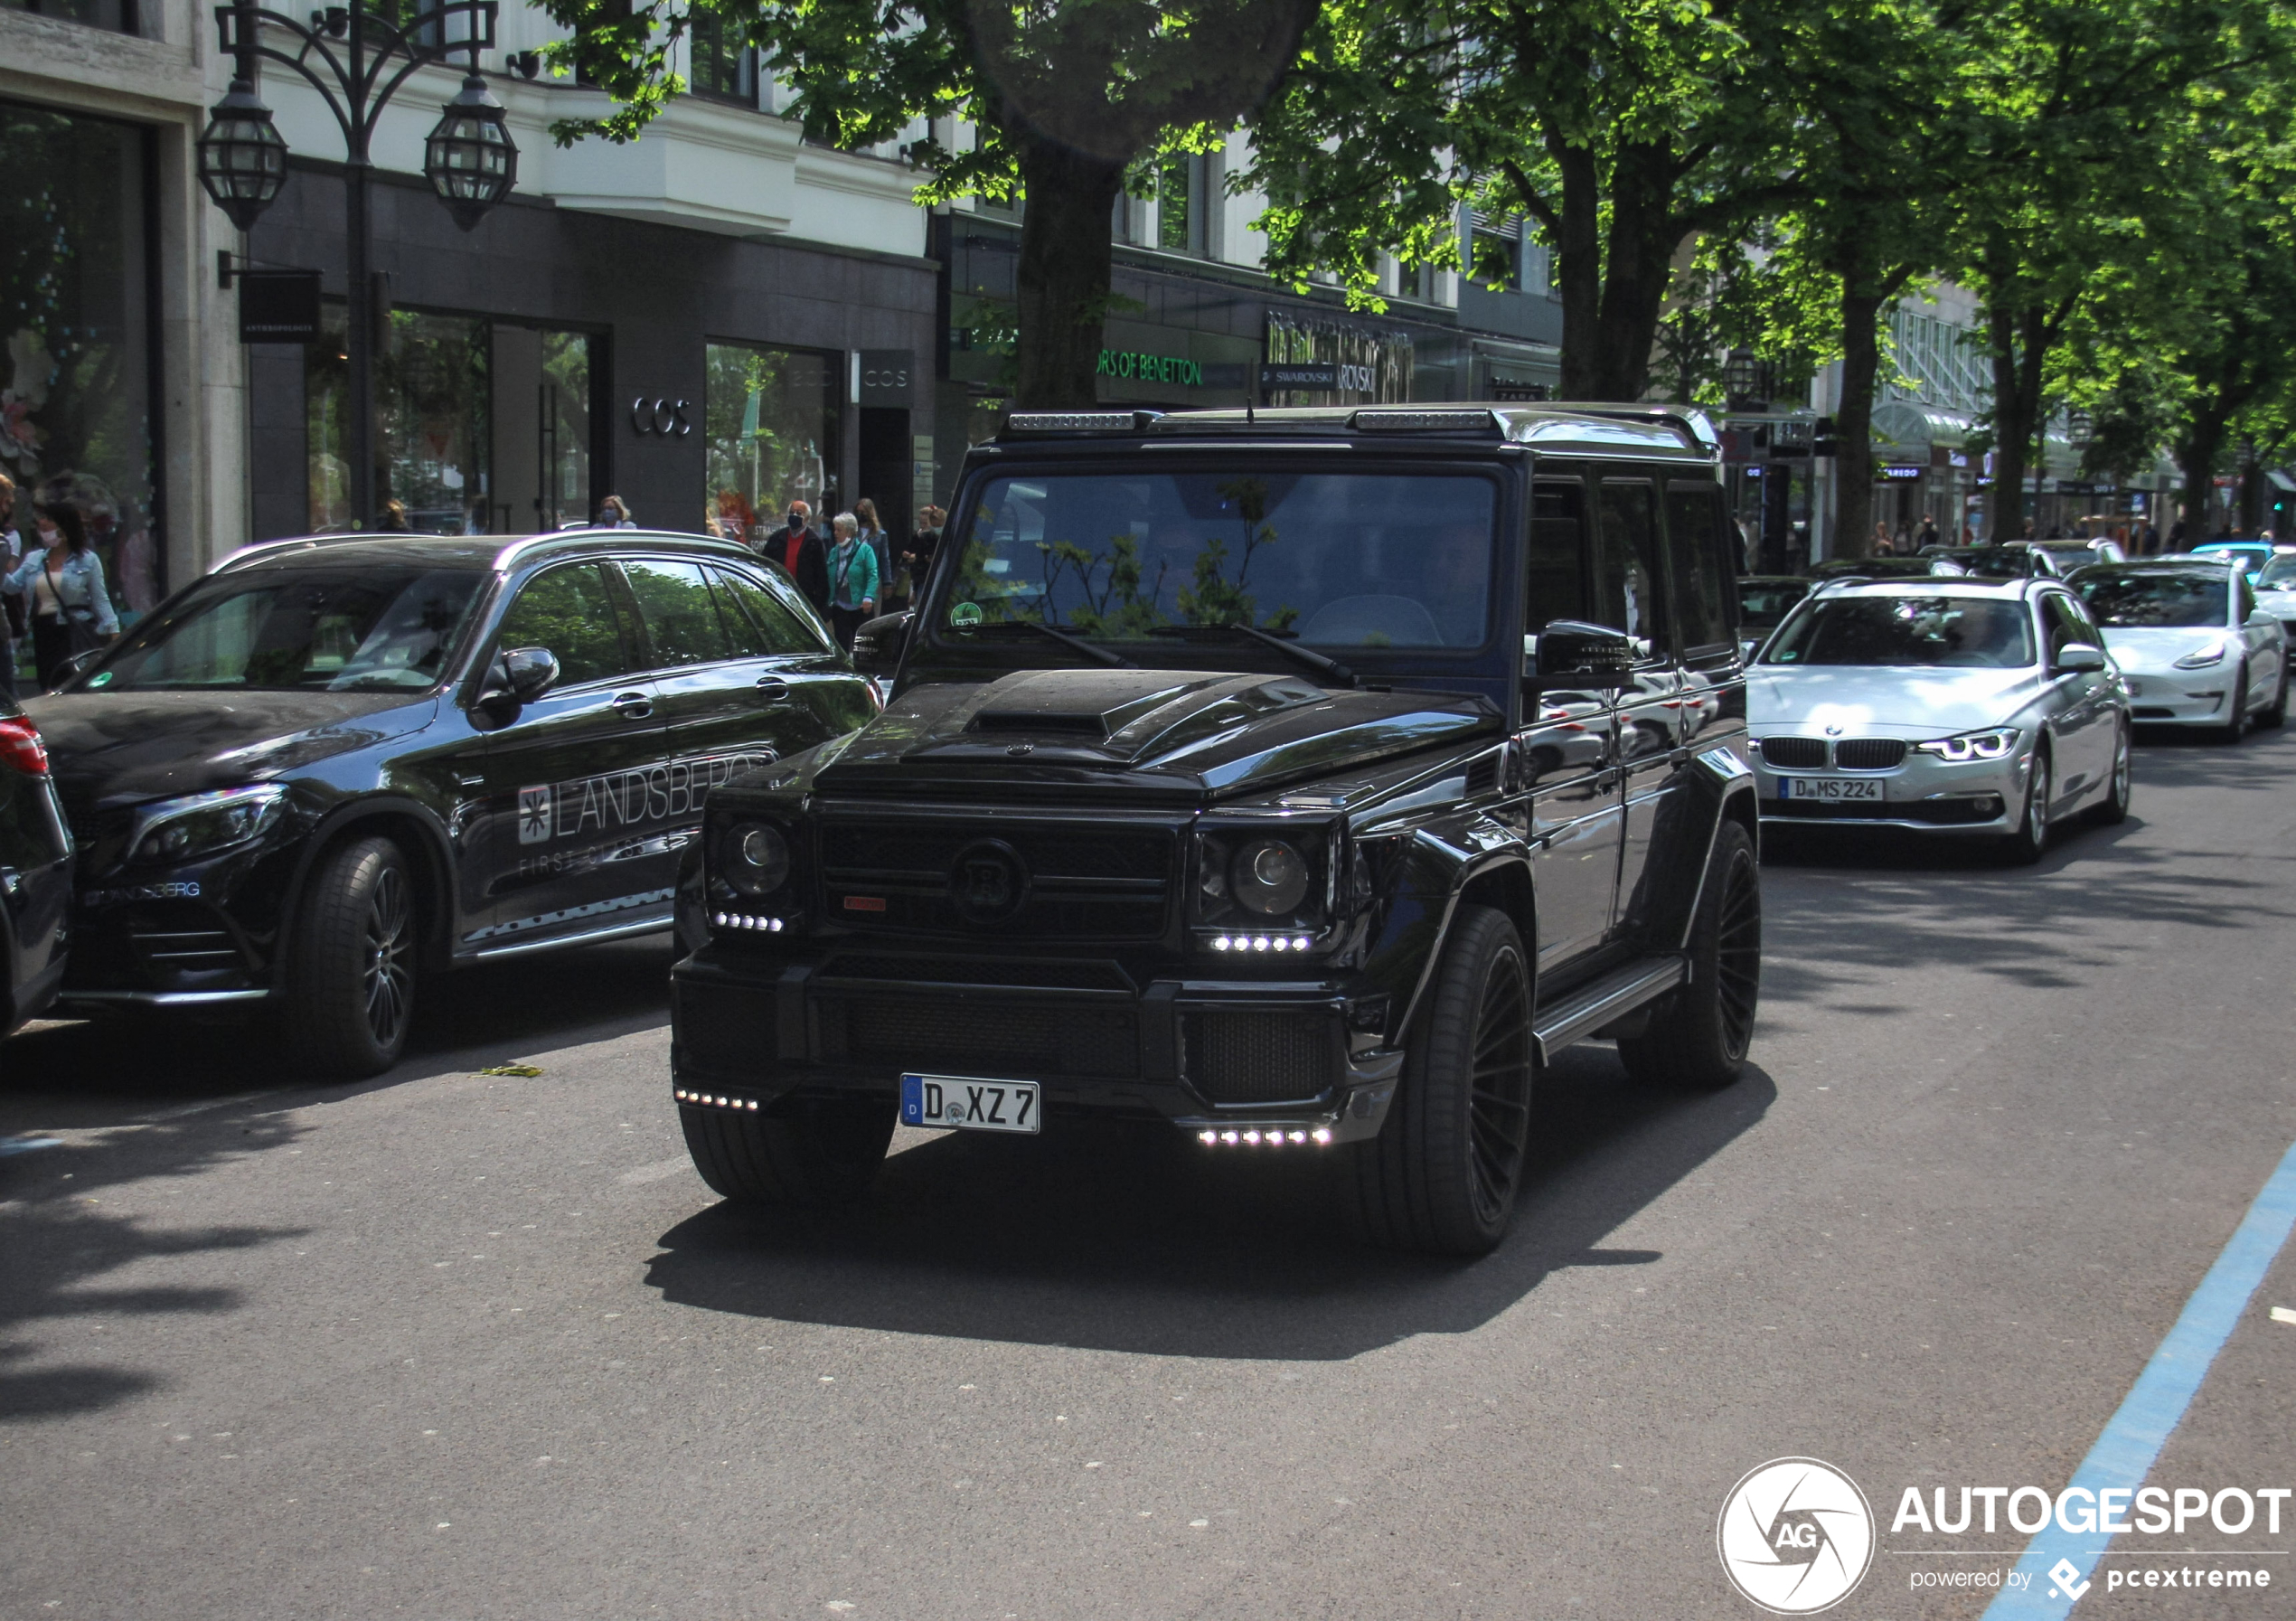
62, 582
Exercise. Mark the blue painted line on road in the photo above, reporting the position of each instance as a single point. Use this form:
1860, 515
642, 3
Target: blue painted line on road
2125, 1452
9, 1145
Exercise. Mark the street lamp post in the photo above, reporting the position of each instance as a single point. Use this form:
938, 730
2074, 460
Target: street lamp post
350, 56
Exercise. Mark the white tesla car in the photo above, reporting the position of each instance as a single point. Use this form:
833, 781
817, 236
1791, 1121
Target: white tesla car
1946, 706
2193, 644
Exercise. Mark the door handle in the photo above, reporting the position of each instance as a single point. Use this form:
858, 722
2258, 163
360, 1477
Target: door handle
772, 688
633, 706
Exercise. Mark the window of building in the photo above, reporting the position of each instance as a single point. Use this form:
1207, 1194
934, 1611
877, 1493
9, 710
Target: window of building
433, 427
770, 420
79, 418
1187, 193
121, 16
1495, 250
724, 65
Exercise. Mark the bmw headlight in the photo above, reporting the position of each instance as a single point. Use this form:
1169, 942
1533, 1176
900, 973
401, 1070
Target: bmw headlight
2200, 658
1269, 877
1995, 744
198, 825
754, 858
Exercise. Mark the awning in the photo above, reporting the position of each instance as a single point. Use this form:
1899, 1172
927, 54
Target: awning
2281, 481
1903, 423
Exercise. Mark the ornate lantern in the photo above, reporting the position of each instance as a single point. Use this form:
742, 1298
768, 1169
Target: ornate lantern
470, 158
242, 157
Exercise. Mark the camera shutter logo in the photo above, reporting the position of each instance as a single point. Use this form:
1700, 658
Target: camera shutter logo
535, 816
1796, 1536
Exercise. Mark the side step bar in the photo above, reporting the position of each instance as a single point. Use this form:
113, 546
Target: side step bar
1612, 997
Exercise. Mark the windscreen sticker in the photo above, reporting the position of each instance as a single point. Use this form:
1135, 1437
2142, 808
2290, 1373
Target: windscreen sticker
669, 791
965, 616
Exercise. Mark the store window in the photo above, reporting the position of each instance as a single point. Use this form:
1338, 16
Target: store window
1496, 251
1373, 366
770, 417
121, 16
77, 419
432, 438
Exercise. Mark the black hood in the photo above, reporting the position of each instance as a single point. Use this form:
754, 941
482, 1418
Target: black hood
117, 748
1190, 733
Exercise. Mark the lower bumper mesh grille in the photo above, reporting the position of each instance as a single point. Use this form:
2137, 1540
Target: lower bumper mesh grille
1003, 1039
1262, 1057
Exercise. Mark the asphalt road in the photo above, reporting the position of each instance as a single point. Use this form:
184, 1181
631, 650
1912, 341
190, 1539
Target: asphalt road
456, 1345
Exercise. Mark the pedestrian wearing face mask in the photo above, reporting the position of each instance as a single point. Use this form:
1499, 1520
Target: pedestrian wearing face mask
799, 550
63, 579
852, 580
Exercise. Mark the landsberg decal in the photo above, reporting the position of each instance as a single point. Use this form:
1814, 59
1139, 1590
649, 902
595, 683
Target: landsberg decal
670, 790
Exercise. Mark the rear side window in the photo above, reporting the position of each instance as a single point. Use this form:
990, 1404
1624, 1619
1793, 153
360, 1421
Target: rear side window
680, 617
1702, 575
758, 620
1557, 554
1628, 579
569, 610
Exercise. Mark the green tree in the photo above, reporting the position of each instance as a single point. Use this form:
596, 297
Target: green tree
1066, 96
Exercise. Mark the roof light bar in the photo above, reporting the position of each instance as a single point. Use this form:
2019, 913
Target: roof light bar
1079, 421
1423, 421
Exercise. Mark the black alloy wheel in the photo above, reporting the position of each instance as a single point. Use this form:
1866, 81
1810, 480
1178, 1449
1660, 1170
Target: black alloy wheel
1698, 1036
1442, 1177
2114, 810
2024, 847
350, 979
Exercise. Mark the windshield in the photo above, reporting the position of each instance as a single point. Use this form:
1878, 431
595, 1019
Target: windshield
1932, 631
1763, 603
2277, 574
371, 629
2156, 599
1337, 559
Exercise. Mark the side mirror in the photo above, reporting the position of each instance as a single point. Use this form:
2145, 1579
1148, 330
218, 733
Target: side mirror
78, 665
1568, 653
2078, 658
517, 677
877, 642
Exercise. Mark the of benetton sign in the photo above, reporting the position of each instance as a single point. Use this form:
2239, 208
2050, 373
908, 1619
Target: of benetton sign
1151, 368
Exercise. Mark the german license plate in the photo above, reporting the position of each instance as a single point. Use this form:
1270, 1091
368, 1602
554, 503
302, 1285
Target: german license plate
1832, 790
965, 1104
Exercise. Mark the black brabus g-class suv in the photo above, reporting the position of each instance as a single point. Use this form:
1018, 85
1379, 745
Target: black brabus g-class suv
1303, 780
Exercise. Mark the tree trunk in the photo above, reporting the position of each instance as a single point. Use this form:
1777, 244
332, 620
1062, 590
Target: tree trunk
1066, 257
1639, 266
1853, 467
1578, 272
2196, 459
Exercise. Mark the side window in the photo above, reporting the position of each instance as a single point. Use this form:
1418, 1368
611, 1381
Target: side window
680, 617
567, 610
1557, 553
2247, 597
772, 627
1703, 599
1627, 577
2084, 625
2063, 621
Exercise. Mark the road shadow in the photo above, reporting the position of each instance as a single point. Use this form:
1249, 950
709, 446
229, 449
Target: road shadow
1136, 1239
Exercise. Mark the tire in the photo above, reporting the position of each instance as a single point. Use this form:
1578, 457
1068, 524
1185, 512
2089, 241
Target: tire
821, 1152
1442, 1175
351, 979
2233, 730
2024, 847
1697, 1036
2114, 810
2276, 717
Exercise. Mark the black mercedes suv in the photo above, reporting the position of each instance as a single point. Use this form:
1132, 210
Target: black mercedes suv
331, 764
1302, 779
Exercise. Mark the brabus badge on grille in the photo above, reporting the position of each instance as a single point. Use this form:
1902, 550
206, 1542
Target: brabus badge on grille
1021, 750
988, 884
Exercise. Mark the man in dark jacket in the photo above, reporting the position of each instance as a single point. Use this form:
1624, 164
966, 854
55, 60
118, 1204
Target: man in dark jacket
797, 548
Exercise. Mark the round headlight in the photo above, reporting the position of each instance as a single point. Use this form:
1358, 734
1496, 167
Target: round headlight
1270, 876
756, 859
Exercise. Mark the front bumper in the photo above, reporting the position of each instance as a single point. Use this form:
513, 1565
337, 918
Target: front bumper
198, 936
1922, 794
2166, 697
1262, 1060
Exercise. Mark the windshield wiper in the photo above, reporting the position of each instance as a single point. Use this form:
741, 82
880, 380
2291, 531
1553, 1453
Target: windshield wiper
1330, 668
1104, 655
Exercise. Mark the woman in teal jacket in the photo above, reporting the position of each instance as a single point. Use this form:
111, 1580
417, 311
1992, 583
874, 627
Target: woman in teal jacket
852, 579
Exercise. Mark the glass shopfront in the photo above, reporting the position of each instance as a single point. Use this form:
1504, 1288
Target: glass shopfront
78, 393
432, 441
770, 418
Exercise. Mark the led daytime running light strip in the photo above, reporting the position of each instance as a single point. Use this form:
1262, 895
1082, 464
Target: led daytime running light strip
717, 1100
1321, 1136
744, 920
1262, 942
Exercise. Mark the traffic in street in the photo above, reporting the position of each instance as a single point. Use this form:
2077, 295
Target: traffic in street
452, 1342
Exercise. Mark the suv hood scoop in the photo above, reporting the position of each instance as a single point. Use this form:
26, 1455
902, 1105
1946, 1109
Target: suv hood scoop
1183, 731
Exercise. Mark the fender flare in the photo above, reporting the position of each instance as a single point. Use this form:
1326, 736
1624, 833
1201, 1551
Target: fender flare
1493, 850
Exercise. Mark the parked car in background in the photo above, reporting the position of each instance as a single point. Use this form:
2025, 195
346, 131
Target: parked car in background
2252, 554
1943, 707
2193, 641
1764, 600
2011, 560
330, 767
1877, 568
2069, 555
35, 872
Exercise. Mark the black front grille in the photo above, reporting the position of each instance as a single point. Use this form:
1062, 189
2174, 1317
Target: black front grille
1869, 754
979, 970
1086, 882
999, 1038
172, 939
1262, 1057
1794, 754
727, 1029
